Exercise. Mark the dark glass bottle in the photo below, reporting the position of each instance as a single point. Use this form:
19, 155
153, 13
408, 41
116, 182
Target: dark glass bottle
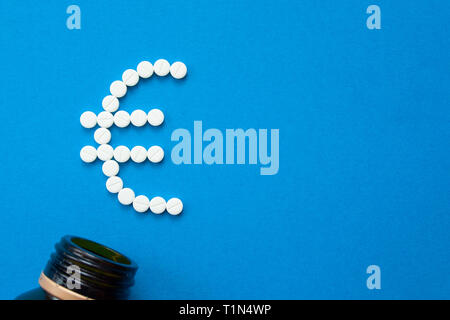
81, 269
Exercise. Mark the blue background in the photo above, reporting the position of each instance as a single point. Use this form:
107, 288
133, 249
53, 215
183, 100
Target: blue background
364, 123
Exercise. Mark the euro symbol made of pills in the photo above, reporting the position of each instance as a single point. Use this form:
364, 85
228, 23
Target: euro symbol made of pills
112, 157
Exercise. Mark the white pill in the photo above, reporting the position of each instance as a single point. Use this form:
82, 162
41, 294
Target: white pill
155, 154
114, 184
138, 154
155, 117
102, 136
138, 118
122, 119
121, 154
105, 119
178, 70
126, 196
145, 69
174, 206
130, 77
157, 205
110, 103
161, 67
110, 168
141, 204
105, 152
88, 119
88, 154
118, 89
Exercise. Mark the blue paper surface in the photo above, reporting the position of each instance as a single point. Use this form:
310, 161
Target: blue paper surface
364, 158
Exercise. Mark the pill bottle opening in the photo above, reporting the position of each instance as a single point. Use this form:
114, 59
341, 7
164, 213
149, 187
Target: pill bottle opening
101, 250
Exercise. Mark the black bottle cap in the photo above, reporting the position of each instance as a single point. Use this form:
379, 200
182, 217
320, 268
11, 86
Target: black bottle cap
91, 269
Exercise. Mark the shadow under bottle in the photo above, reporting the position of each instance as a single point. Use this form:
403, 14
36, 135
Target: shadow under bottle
82, 269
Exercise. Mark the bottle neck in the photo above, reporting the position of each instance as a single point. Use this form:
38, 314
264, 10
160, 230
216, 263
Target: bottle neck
83, 270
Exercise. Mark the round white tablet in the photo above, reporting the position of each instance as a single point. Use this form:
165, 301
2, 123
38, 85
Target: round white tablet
155, 154
174, 206
102, 136
157, 205
145, 69
110, 103
88, 119
105, 152
155, 117
138, 154
88, 154
105, 119
178, 70
118, 89
110, 168
161, 67
122, 119
114, 184
141, 204
126, 196
121, 154
138, 118
130, 77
